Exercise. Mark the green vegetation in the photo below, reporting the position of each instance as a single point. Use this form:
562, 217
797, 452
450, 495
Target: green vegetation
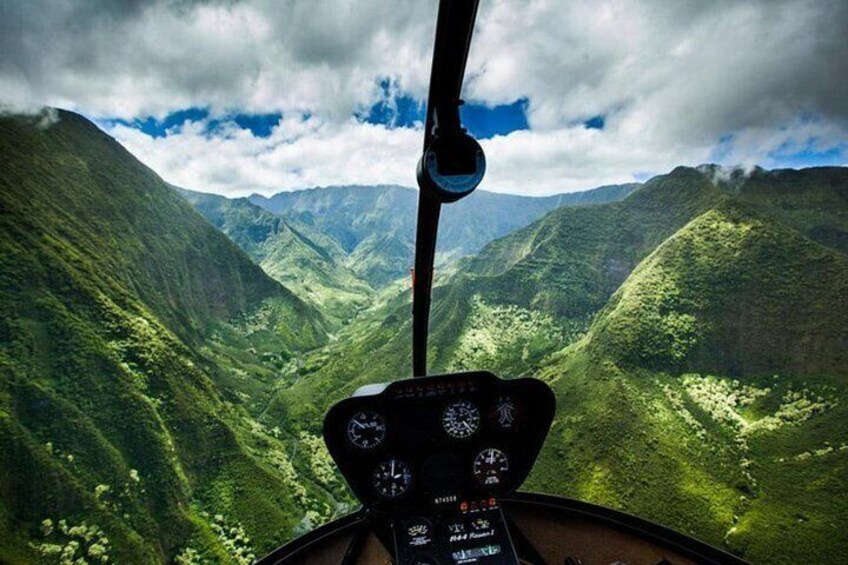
375, 225
749, 457
161, 397
306, 261
696, 344
118, 443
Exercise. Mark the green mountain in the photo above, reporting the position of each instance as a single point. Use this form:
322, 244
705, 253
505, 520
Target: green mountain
732, 293
161, 396
375, 225
310, 263
695, 336
710, 392
570, 262
120, 439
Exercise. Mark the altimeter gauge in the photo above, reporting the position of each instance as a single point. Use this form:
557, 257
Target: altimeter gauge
490, 466
392, 478
366, 429
461, 419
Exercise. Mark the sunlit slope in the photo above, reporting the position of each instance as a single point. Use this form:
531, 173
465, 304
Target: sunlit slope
309, 263
569, 262
114, 439
735, 293
709, 394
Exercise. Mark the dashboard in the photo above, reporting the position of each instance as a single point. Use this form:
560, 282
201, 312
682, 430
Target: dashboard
431, 456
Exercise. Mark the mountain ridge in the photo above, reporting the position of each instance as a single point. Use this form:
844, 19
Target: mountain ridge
293, 253
157, 389
116, 427
381, 218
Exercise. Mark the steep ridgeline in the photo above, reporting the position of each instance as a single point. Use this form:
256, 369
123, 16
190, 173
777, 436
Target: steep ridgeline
562, 268
522, 297
695, 334
115, 441
309, 263
735, 293
375, 225
569, 263
710, 392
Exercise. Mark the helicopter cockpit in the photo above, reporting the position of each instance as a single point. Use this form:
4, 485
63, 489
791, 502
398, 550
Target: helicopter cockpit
432, 456
437, 461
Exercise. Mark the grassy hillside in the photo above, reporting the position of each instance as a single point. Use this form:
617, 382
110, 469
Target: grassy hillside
308, 262
117, 440
734, 293
709, 394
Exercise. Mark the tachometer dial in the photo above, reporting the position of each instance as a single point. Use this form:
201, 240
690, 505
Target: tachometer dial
366, 430
461, 419
392, 478
490, 466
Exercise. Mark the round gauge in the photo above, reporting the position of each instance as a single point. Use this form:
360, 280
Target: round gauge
419, 532
366, 430
506, 414
490, 465
392, 478
461, 419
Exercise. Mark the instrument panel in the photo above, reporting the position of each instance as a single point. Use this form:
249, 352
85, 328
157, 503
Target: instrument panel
436, 441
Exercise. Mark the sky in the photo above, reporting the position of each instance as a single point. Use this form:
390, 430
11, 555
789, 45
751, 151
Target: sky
260, 96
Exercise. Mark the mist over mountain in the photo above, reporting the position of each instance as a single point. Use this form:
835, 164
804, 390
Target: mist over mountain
162, 388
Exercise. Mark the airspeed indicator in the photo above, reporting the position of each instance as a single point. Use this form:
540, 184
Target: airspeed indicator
461, 419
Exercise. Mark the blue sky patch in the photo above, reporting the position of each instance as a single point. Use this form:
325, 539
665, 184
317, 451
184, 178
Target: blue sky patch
259, 124
484, 122
158, 128
832, 157
397, 109
790, 155
595, 122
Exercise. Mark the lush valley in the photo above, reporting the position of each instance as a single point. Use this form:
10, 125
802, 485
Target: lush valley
375, 225
161, 395
310, 263
695, 335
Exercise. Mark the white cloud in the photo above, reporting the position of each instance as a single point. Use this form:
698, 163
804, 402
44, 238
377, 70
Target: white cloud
298, 153
679, 82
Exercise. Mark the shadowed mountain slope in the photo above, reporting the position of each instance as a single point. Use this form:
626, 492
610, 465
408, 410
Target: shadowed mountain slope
114, 439
310, 263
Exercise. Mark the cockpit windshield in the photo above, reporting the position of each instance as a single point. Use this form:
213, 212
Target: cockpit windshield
431, 283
